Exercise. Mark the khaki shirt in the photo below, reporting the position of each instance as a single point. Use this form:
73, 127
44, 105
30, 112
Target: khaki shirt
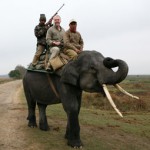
73, 40
54, 35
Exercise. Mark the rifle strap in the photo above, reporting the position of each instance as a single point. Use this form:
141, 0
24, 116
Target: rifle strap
52, 86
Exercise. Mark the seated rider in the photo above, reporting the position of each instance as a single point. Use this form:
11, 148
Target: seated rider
54, 39
40, 32
73, 42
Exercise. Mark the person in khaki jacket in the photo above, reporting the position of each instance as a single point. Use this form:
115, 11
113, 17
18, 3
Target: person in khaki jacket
73, 42
54, 39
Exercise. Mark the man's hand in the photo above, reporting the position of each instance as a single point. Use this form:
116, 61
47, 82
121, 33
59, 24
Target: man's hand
56, 43
77, 51
81, 49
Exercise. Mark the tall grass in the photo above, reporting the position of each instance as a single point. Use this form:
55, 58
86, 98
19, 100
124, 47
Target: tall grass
136, 85
5, 80
100, 129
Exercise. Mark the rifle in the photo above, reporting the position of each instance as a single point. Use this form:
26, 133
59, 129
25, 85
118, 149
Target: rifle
50, 20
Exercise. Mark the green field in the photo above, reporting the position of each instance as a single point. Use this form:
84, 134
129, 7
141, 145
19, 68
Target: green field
101, 127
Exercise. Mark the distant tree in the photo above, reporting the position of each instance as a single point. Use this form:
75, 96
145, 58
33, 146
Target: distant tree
14, 74
21, 70
18, 73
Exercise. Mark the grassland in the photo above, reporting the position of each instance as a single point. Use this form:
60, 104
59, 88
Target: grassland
4, 80
101, 127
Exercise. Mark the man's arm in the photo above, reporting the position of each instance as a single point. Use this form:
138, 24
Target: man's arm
81, 43
49, 40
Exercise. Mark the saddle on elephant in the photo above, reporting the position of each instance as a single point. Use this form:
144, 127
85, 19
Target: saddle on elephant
56, 63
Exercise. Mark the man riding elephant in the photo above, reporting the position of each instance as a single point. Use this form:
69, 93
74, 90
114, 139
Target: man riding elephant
40, 32
73, 42
54, 39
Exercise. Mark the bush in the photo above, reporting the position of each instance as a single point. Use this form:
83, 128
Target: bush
15, 74
18, 73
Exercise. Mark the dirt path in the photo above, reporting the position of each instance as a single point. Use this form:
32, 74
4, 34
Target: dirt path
11, 117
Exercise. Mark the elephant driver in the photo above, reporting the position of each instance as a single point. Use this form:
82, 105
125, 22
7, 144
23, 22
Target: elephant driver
73, 42
54, 39
40, 33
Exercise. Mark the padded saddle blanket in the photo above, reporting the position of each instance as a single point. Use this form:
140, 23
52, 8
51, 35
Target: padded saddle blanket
57, 63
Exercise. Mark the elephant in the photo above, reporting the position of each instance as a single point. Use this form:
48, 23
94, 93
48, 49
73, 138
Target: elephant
90, 72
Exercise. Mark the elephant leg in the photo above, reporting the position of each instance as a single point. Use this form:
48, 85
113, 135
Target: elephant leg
67, 129
43, 125
31, 111
71, 100
68, 123
73, 127
31, 106
31, 117
73, 130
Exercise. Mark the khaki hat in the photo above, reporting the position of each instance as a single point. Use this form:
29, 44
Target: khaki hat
72, 20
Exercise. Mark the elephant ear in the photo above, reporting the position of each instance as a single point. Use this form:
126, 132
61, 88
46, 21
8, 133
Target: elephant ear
70, 74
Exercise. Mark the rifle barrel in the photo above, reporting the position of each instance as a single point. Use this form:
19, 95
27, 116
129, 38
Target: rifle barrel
54, 14
60, 8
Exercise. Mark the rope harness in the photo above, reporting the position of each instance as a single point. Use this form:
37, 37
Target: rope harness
52, 86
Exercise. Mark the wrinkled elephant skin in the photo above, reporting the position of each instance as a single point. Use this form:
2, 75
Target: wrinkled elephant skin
89, 72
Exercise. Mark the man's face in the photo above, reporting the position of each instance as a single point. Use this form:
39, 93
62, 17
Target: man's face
57, 20
73, 26
42, 21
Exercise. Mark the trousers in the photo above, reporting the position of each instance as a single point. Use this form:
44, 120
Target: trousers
39, 51
71, 54
54, 52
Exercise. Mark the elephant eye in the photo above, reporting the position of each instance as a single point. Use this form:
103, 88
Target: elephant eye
92, 68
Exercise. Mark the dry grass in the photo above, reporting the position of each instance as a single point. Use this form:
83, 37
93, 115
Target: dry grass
136, 85
4, 80
100, 129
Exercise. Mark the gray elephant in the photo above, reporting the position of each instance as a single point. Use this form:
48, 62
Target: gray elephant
90, 72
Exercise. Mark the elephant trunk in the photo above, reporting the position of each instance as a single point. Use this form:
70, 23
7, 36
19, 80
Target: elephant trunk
111, 77
108, 76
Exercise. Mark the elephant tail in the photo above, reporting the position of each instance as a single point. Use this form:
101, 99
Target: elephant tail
109, 62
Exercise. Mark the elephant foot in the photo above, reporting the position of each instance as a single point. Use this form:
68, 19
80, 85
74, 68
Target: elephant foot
32, 122
66, 136
75, 143
44, 127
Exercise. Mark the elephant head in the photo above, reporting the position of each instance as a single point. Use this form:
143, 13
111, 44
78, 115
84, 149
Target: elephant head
91, 72
91, 67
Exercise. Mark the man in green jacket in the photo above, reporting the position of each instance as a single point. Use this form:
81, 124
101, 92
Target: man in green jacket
40, 33
73, 42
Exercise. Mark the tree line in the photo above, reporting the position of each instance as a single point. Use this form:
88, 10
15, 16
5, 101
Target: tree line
18, 72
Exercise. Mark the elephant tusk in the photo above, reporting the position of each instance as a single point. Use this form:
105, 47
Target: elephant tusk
111, 100
125, 92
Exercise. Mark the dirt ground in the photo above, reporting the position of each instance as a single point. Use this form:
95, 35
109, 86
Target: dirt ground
98, 130
11, 117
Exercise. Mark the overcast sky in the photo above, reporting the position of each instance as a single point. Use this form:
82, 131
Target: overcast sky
116, 28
